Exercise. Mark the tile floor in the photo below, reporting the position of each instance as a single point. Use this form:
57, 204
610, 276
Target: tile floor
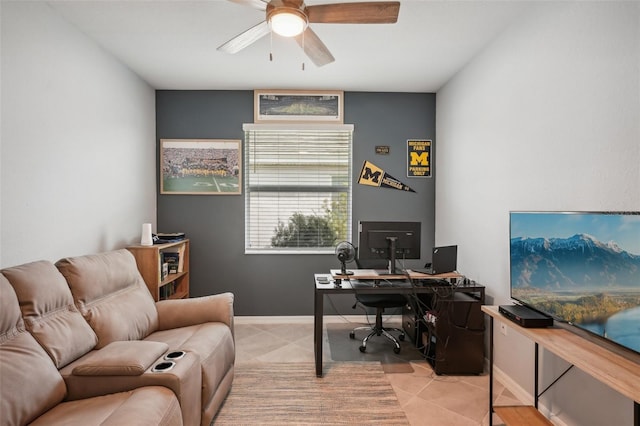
427, 399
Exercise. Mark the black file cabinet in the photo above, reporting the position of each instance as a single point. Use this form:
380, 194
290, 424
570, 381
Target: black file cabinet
449, 327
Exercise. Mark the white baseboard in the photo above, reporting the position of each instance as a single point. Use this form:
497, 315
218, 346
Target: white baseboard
523, 396
518, 391
247, 319
308, 319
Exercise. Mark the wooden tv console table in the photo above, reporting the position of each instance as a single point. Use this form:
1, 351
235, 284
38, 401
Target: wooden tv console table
608, 367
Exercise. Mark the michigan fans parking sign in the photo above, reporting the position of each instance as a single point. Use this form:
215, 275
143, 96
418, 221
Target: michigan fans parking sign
418, 158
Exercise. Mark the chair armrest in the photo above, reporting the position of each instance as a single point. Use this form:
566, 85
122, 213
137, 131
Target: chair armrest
178, 313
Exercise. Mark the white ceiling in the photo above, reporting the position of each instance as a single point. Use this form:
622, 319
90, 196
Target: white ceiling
172, 44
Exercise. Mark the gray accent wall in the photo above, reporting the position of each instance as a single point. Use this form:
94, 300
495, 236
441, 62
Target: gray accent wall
283, 284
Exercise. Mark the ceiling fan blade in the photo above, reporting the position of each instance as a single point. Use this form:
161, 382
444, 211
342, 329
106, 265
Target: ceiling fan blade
246, 38
314, 48
256, 4
383, 12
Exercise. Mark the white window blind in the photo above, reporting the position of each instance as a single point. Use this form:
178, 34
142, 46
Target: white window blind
297, 187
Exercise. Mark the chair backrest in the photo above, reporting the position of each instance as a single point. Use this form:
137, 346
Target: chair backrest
49, 312
111, 295
30, 383
378, 300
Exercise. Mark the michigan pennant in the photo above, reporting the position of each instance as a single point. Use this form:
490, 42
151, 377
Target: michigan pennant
373, 175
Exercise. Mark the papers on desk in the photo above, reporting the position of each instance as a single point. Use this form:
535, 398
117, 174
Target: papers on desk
324, 279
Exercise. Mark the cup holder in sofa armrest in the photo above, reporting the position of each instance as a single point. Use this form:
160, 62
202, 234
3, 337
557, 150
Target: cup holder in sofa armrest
175, 355
163, 366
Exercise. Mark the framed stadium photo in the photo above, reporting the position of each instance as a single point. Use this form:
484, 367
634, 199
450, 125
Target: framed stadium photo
297, 106
201, 166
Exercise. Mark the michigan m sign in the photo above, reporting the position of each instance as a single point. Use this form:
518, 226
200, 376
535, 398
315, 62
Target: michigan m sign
418, 158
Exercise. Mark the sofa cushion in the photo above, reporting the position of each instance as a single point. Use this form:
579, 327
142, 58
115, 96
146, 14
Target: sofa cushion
125, 358
49, 313
30, 384
10, 316
111, 295
153, 405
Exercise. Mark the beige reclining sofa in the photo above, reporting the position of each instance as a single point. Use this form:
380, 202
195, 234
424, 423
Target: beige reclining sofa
83, 342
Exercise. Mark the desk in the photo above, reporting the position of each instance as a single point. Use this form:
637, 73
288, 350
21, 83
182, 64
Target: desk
612, 369
393, 284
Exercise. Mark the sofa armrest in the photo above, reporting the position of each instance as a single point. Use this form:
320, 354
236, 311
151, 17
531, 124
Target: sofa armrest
123, 358
198, 310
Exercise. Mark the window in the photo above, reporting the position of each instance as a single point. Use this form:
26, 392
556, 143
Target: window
297, 187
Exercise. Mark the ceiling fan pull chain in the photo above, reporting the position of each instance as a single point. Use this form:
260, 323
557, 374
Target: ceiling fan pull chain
303, 51
271, 46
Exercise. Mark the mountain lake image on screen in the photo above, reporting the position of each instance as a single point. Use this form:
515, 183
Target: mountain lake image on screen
582, 268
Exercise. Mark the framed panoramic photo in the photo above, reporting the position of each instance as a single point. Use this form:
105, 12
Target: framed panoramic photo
316, 106
200, 166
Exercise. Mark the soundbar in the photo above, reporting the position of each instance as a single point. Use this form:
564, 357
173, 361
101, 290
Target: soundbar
525, 317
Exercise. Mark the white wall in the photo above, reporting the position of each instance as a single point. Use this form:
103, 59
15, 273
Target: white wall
547, 117
78, 154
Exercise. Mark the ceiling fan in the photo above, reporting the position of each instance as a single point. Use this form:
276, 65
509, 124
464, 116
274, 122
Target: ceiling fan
291, 18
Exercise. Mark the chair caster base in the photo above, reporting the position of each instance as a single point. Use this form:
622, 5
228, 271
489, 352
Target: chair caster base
362, 349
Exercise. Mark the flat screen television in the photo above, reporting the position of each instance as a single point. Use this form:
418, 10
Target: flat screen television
581, 268
389, 241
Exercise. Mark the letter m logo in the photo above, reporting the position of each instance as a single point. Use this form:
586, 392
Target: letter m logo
421, 159
370, 175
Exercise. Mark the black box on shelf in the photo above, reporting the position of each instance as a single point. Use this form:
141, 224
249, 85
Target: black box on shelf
172, 260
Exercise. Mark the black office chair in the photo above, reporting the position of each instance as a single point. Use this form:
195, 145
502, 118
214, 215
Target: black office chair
380, 302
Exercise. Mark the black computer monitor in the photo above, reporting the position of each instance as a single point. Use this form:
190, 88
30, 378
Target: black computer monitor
388, 241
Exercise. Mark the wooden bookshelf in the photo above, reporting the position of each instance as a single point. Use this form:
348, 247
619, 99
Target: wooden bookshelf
162, 284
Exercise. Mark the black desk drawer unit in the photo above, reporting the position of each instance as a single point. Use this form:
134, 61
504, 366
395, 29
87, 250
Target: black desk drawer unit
452, 336
411, 323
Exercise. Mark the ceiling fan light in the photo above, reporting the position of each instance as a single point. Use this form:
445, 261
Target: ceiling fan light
288, 23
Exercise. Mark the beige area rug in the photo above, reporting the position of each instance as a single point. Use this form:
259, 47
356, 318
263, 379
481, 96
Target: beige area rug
352, 393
